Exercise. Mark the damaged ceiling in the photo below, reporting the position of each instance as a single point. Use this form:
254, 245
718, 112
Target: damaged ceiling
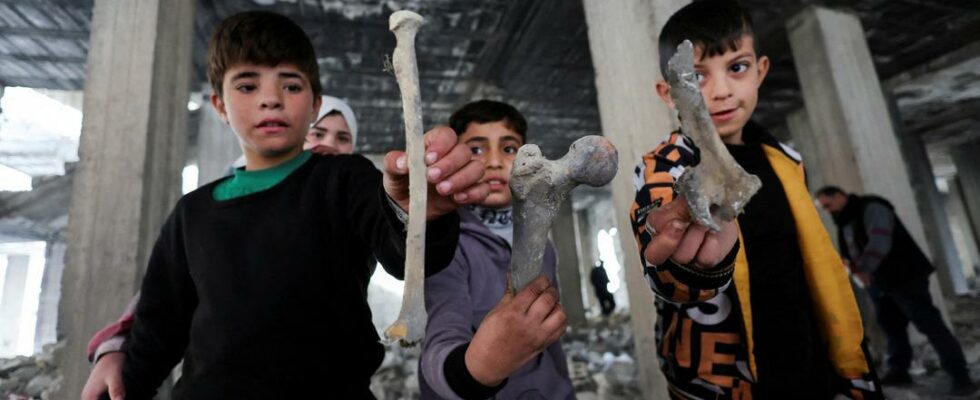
533, 54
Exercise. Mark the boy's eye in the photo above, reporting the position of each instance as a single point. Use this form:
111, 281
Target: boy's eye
294, 88
699, 76
476, 150
245, 88
510, 150
739, 67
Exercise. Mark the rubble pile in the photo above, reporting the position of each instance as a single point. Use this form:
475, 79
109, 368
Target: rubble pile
601, 359
30, 378
600, 362
397, 378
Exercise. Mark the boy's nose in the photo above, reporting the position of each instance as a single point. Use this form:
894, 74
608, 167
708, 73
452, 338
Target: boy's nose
721, 89
271, 99
493, 160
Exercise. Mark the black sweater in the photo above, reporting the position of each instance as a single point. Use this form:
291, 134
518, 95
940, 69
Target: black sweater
259, 294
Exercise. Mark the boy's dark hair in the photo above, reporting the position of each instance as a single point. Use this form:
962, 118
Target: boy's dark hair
715, 26
486, 111
830, 191
263, 38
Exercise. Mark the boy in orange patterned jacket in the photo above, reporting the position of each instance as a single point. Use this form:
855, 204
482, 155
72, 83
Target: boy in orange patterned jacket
788, 327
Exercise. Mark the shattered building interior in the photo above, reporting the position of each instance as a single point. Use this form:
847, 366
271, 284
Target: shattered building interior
879, 96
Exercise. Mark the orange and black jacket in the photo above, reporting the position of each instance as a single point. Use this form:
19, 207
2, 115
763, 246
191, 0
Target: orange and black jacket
704, 333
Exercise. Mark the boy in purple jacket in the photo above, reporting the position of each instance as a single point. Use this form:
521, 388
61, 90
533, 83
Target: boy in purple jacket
482, 341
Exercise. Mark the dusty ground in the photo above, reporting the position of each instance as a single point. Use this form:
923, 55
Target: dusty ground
600, 357
930, 380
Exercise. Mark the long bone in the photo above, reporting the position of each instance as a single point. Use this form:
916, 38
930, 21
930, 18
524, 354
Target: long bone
539, 186
717, 188
410, 325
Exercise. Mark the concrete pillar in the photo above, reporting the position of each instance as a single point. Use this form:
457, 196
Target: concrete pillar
815, 163
570, 281
968, 176
47, 308
217, 145
132, 152
587, 255
931, 206
12, 302
849, 113
963, 234
623, 43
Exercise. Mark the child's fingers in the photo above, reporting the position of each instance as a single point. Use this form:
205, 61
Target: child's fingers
469, 175
716, 245
117, 391
554, 324
543, 305
395, 163
324, 149
676, 209
457, 158
665, 241
438, 142
687, 249
473, 195
526, 296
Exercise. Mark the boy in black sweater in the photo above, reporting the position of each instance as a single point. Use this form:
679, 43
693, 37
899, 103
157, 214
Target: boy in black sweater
774, 317
253, 280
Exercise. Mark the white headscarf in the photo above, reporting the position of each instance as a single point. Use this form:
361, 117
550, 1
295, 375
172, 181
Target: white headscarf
330, 104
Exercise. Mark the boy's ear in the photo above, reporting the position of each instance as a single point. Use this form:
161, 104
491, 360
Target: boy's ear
763, 68
663, 89
317, 102
219, 106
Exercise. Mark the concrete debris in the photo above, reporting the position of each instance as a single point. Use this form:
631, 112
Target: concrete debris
601, 360
30, 378
929, 379
397, 378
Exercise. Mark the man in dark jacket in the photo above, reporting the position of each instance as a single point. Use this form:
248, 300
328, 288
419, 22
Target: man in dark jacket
599, 280
882, 254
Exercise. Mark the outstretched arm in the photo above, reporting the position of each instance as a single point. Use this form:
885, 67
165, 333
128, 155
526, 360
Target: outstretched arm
683, 262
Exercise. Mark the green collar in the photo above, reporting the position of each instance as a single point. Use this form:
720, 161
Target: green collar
247, 182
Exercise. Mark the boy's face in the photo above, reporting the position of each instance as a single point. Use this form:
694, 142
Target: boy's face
269, 108
331, 132
730, 87
832, 203
495, 145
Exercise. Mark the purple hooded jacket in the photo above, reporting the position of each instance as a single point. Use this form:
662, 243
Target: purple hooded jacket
460, 296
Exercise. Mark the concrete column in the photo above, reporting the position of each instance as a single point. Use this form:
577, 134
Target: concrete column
623, 43
963, 234
12, 302
570, 281
931, 206
132, 153
217, 145
849, 114
815, 163
965, 157
47, 308
587, 255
